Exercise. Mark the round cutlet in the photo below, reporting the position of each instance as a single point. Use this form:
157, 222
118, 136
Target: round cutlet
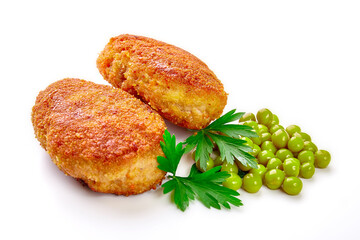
101, 135
171, 80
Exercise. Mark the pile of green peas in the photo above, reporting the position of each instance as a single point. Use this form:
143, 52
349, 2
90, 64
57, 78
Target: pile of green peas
284, 155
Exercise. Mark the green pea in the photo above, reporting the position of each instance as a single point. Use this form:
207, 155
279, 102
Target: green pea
283, 154
229, 167
264, 116
274, 128
275, 120
274, 178
274, 163
295, 144
252, 124
291, 167
264, 156
268, 145
293, 129
252, 182
242, 167
322, 158
209, 164
247, 117
260, 170
218, 161
262, 128
256, 150
280, 138
306, 156
292, 185
249, 142
233, 182
308, 145
266, 136
307, 170
304, 136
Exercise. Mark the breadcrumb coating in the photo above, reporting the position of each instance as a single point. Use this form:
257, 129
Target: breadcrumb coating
101, 135
171, 80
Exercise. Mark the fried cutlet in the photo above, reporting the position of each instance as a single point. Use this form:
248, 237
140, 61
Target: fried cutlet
100, 135
172, 81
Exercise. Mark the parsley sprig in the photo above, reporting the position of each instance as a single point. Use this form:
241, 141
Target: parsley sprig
226, 136
206, 186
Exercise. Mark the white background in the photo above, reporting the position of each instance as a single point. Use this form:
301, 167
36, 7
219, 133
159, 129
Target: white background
301, 59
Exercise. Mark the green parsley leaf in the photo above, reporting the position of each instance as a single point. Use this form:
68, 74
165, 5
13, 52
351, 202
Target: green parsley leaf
227, 138
206, 186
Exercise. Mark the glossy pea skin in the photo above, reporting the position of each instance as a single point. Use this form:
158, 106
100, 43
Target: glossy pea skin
306, 156
322, 158
274, 178
274, 128
275, 120
249, 142
260, 170
229, 167
283, 154
268, 145
274, 163
292, 185
242, 167
247, 117
292, 129
295, 144
280, 138
264, 116
252, 182
304, 136
233, 182
266, 136
218, 161
252, 124
291, 167
308, 145
307, 170
264, 156
209, 164
262, 129
256, 150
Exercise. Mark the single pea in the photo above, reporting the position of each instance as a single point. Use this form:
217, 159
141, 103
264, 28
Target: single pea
252, 124
242, 167
218, 161
229, 167
274, 128
280, 138
268, 145
247, 117
256, 140
266, 136
291, 167
292, 185
293, 129
264, 156
275, 120
264, 116
274, 178
262, 128
306, 156
283, 154
274, 163
249, 142
322, 158
256, 150
261, 170
252, 182
295, 144
308, 145
209, 165
304, 136
307, 170
233, 182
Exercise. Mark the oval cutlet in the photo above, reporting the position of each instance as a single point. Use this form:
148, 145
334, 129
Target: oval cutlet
172, 81
100, 135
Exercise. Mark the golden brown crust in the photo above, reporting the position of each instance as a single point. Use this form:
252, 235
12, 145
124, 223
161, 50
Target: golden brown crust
101, 135
172, 81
